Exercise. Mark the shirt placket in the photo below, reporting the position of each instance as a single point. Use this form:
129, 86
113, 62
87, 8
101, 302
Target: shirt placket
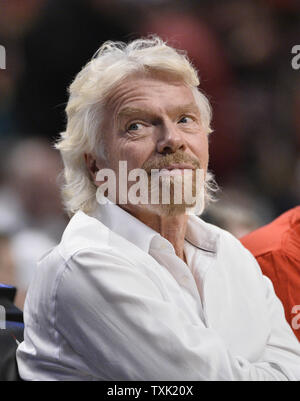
180, 272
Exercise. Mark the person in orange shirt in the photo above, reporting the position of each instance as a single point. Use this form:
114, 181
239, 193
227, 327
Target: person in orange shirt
276, 248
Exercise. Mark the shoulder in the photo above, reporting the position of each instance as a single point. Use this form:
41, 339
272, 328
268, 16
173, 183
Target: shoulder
85, 243
83, 232
89, 248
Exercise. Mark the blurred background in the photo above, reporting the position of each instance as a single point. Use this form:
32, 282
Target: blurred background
242, 50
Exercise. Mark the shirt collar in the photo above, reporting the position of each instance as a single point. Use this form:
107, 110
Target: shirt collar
199, 233
125, 225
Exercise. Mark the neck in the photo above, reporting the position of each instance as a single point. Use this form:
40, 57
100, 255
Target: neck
173, 228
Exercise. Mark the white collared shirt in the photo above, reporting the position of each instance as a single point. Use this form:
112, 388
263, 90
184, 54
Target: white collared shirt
113, 302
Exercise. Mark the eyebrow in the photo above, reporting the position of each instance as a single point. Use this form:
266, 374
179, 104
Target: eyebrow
141, 112
134, 111
185, 108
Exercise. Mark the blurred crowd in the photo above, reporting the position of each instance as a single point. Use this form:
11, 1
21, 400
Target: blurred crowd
242, 50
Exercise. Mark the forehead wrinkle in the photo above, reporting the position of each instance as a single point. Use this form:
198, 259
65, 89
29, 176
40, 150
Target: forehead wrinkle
121, 112
122, 91
131, 87
120, 97
118, 103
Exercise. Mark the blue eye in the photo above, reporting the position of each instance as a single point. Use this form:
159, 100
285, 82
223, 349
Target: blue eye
134, 127
184, 120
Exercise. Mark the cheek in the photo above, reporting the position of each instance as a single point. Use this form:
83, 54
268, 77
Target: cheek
136, 152
131, 156
199, 146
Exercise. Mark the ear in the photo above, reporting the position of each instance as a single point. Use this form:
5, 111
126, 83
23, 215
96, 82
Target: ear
91, 164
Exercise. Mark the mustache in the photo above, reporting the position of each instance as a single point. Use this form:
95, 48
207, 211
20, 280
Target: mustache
171, 158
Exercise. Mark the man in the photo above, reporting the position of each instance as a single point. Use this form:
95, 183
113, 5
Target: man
276, 248
147, 290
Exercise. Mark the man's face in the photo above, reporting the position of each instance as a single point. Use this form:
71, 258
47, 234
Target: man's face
153, 122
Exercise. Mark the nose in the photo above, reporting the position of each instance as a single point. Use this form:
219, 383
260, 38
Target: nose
170, 139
